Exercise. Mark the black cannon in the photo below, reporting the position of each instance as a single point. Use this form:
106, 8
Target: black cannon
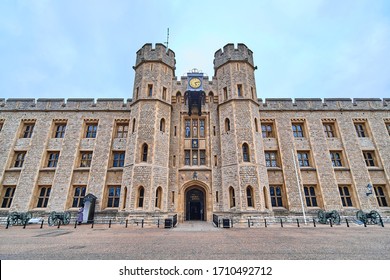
372, 217
333, 216
59, 217
15, 218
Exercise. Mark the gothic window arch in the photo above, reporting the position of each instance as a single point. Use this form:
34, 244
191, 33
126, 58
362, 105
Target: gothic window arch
158, 198
133, 128
162, 125
144, 152
227, 125
141, 195
232, 198
245, 152
178, 97
249, 196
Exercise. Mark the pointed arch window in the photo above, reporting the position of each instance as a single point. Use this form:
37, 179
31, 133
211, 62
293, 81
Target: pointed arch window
249, 196
227, 125
144, 152
232, 198
141, 194
158, 198
245, 152
162, 125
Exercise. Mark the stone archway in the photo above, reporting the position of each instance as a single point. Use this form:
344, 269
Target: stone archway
195, 204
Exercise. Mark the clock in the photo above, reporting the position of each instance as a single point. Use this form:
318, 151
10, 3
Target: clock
195, 83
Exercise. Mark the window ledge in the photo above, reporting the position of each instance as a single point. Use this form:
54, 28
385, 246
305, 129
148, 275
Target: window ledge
115, 168
14, 169
341, 168
48, 169
82, 169
274, 169
280, 209
308, 168
374, 168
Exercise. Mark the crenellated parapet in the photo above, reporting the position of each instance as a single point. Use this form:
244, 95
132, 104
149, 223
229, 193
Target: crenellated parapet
230, 54
335, 104
60, 104
160, 54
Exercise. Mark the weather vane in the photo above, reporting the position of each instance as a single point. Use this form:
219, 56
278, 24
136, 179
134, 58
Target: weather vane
167, 42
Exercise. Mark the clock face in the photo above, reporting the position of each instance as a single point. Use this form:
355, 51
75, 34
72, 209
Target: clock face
195, 82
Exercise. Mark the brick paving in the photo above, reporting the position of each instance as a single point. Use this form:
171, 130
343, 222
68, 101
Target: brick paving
195, 240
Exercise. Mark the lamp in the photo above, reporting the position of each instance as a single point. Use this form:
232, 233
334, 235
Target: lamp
369, 189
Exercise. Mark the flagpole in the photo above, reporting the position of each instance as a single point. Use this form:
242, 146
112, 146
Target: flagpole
299, 187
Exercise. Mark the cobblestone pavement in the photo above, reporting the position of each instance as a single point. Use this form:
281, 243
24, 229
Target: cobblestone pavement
200, 241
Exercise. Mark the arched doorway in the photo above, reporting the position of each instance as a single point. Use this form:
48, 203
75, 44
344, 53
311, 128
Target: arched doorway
195, 204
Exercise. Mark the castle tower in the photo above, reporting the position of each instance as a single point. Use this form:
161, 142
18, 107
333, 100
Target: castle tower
244, 176
147, 156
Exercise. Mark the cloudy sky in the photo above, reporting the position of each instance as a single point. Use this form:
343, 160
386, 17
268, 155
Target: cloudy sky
86, 49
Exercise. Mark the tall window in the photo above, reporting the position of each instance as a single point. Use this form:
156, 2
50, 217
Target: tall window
114, 193
150, 90
271, 159
122, 130
78, 195
28, 129
381, 197
19, 159
345, 195
369, 158
1, 125
336, 159
118, 159
141, 193
267, 130
164, 93
361, 130
157, 202
7, 195
387, 126
144, 156
85, 159
297, 129
162, 125
256, 125
239, 90
225, 93
59, 130
276, 196
52, 159
133, 128
249, 196
232, 198
227, 125
329, 130
245, 152
303, 159
43, 196
310, 196
91, 130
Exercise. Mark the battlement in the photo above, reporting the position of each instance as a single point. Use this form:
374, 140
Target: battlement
159, 53
45, 104
230, 53
314, 104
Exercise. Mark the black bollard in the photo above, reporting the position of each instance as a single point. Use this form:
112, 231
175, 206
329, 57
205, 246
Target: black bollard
297, 222
346, 220
314, 222
109, 223
59, 223
265, 222
7, 225
380, 219
249, 223
231, 220
281, 223
158, 222
330, 222
75, 224
127, 222
365, 224
92, 224
142, 223
25, 224
42, 224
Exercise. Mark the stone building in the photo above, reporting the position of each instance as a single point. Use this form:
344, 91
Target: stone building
195, 147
